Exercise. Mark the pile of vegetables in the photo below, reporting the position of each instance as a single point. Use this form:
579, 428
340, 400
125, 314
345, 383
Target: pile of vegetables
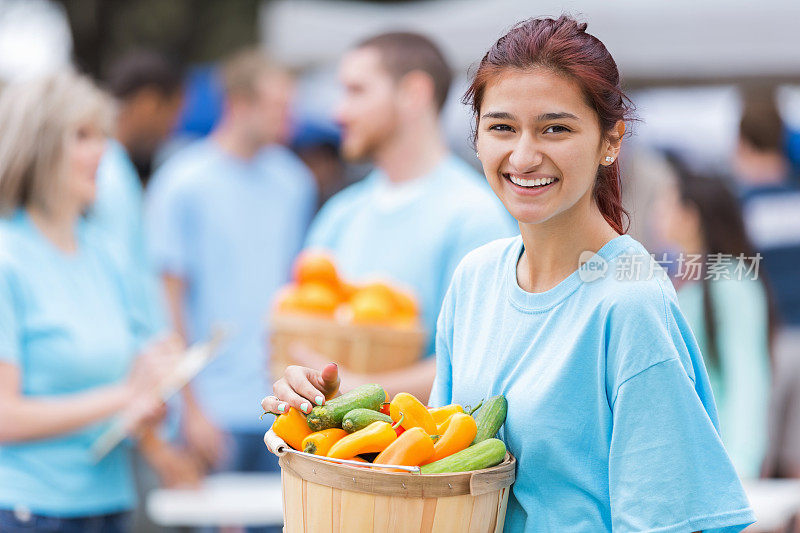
363, 425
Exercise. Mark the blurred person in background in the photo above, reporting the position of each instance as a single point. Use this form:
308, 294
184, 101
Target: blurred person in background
729, 311
317, 144
147, 88
226, 217
70, 330
422, 209
770, 200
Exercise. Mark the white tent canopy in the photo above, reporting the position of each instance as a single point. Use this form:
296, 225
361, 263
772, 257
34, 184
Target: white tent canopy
686, 39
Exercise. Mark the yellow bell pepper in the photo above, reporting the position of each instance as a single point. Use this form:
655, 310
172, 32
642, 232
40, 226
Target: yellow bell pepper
414, 413
372, 439
440, 414
292, 428
320, 442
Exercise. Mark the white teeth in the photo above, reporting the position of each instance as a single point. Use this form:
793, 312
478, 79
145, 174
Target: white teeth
538, 182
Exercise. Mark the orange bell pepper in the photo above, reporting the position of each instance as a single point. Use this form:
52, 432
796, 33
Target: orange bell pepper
372, 439
441, 428
440, 414
292, 428
320, 442
461, 431
414, 412
412, 448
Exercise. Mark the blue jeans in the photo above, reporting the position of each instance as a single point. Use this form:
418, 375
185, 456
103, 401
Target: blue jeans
19, 522
249, 454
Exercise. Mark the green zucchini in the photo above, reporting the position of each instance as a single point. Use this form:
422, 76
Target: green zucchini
489, 452
361, 418
490, 417
331, 414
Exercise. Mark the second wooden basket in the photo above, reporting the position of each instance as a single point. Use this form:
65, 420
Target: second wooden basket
364, 349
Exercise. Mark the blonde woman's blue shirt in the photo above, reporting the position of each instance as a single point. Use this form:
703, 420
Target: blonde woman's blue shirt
414, 233
68, 323
611, 416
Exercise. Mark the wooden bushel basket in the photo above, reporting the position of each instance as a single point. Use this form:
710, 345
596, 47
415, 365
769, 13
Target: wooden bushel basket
320, 496
364, 349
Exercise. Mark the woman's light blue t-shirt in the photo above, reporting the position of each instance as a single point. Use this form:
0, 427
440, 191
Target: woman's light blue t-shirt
611, 417
67, 323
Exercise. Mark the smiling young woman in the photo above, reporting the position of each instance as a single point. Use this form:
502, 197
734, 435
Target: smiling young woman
610, 415
610, 412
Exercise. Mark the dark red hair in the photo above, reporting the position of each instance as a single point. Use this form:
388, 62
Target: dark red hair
563, 46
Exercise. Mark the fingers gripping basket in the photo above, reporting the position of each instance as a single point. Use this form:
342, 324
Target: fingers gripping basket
364, 349
320, 496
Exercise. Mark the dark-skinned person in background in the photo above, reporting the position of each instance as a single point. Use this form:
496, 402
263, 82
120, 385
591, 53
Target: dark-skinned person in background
770, 199
147, 90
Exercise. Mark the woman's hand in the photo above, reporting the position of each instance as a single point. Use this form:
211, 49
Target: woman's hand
204, 439
151, 367
302, 387
174, 467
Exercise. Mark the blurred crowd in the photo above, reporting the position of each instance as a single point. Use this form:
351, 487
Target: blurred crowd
145, 209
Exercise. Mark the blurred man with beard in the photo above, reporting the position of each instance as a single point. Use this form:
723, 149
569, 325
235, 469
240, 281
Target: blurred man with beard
421, 209
226, 217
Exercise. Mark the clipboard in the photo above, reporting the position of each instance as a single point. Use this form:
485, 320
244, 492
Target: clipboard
193, 361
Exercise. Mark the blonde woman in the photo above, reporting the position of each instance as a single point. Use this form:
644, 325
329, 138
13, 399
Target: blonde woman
69, 334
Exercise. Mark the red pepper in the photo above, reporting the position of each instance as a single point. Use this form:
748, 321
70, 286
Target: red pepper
399, 430
385, 409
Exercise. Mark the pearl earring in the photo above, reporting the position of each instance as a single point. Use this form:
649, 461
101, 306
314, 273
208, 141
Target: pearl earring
609, 159
477, 155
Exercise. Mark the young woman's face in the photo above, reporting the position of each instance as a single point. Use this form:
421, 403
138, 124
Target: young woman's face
540, 144
84, 148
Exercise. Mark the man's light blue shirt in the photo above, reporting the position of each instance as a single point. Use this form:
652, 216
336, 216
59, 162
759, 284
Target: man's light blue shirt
231, 229
610, 412
414, 233
69, 324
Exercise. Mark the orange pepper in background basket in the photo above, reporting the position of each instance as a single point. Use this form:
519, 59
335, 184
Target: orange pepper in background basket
461, 431
372, 439
412, 448
414, 412
292, 428
320, 442
440, 414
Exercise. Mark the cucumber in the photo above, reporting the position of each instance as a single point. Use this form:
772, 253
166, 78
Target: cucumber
490, 417
361, 418
489, 452
331, 414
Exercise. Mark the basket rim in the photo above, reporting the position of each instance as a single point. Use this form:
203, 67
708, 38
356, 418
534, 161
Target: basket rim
407, 484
